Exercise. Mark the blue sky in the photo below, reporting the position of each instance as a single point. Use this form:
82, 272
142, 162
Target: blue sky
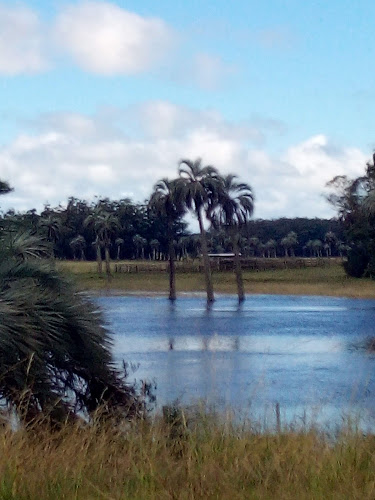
105, 97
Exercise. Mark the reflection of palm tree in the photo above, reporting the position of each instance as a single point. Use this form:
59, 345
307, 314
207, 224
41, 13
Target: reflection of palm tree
234, 207
199, 186
165, 202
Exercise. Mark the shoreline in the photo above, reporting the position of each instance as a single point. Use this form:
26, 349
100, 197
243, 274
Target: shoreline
328, 280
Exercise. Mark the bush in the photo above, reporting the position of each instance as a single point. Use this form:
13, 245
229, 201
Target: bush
357, 263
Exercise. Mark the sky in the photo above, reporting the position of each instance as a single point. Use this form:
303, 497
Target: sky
101, 98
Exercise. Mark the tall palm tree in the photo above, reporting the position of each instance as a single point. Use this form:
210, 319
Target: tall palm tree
233, 208
198, 187
165, 202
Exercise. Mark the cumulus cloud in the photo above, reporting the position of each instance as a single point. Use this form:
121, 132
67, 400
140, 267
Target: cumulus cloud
106, 39
71, 155
22, 41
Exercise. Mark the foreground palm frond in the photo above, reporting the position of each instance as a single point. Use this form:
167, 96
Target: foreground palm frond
55, 356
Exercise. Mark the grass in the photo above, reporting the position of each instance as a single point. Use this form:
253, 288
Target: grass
326, 280
202, 459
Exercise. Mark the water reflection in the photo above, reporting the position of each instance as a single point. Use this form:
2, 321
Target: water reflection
297, 351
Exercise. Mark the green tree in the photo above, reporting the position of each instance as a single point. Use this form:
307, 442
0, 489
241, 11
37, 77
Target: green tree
198, 188
233, 208
166, 201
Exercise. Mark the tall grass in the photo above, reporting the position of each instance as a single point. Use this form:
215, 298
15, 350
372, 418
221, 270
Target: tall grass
179, 457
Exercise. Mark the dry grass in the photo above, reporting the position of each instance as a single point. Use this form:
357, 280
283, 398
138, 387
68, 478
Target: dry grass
205, 460
328, 280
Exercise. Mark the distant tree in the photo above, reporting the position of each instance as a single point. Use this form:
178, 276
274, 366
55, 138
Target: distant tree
78, 244
310, 247
271, 248
140, 245
167, 201
155, 247
317, 246
330, 240
105, 225
119, 242
253, 244
52, 227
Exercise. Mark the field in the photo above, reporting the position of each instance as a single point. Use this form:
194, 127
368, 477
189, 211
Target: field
328, 279
199, 458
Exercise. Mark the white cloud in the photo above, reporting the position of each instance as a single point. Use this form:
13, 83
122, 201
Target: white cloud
72, 155
22, 42
106, 39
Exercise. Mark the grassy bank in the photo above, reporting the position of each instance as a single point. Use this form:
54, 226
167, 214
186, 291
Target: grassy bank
329, 279
207, 460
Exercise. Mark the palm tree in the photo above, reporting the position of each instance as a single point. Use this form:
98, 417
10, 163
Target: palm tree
52, 227
164, 202
254, 244
199, 187
330, 239
233, 208
119, 242
317, 247
105, 225
140, 244
78, 244
155, 246
271, 248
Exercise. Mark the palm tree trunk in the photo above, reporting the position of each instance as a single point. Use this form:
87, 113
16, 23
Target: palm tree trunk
172, 266
99, 258
206, 260
118, 252
107, 261
237, 268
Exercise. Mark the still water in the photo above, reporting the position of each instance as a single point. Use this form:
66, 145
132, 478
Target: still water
306, 353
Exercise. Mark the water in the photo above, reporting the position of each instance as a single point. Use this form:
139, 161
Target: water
306, 353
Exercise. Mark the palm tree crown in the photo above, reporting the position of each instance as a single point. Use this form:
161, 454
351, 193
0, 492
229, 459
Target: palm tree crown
234, 205
199, 184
